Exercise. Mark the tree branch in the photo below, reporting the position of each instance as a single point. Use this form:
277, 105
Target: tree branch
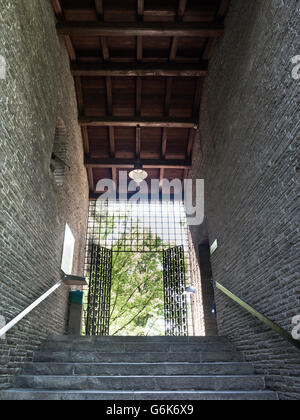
132, 319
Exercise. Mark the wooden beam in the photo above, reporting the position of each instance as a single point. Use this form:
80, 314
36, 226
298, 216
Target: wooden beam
91, 179
164, 143
114, 176
174, 48
208, 50
168, 97
105, 49
70, 48
138, 143
112, 142
139, 85
150, 29
186, 173
180, 14
79, 94
159, 10
161, 176
191, 142
109, 96
57, 8
139, 40
151, 122
140, 69
140, 8
223, 9
139, 48
109, 100
85, 138
147, 163
99, 8
182, 8
197, 99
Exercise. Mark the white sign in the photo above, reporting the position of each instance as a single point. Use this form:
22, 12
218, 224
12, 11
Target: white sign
68, 252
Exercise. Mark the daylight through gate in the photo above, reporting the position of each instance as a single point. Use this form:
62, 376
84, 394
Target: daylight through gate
121, 227
174, 288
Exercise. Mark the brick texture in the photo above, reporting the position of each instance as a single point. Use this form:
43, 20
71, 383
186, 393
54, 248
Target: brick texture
37, 94
202, 302
247, 150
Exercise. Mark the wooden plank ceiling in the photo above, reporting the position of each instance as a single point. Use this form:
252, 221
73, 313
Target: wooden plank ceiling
139, 67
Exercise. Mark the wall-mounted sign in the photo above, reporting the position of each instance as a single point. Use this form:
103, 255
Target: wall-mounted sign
68, 252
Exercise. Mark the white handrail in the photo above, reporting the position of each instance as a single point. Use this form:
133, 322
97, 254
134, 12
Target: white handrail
18, 318
68, 280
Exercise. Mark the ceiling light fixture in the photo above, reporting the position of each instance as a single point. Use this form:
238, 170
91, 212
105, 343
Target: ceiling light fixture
138, 174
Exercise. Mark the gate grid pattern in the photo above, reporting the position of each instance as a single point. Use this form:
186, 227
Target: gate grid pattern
136, 227
174, 292
98, 305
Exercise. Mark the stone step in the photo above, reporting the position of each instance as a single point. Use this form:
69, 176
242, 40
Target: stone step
138, 368
137, 347
135, 357
142, 383
46, 395
137, 339
133, 369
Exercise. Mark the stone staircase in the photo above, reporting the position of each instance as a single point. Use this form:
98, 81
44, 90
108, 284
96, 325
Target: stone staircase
138, 368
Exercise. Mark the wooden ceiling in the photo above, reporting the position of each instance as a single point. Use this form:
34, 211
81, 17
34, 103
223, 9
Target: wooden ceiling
139, 67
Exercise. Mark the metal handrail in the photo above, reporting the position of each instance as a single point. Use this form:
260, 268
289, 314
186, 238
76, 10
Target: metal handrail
275, 327
68, 280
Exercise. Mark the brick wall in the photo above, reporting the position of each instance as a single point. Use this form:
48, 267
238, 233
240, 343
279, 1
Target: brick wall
37, 95
202, 302
247, 150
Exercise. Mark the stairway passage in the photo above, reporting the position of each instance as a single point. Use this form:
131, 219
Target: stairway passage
138, 368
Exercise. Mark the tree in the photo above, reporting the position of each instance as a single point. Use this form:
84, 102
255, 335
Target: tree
137, 292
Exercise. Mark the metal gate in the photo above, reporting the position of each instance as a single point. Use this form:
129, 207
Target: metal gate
100, 278
174, 292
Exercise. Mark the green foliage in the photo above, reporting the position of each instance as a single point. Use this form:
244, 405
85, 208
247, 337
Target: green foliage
137, 296
137, 300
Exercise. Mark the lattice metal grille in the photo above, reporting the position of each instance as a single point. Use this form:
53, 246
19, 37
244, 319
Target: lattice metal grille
98, 305
176, 323
136, 227
125, 226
